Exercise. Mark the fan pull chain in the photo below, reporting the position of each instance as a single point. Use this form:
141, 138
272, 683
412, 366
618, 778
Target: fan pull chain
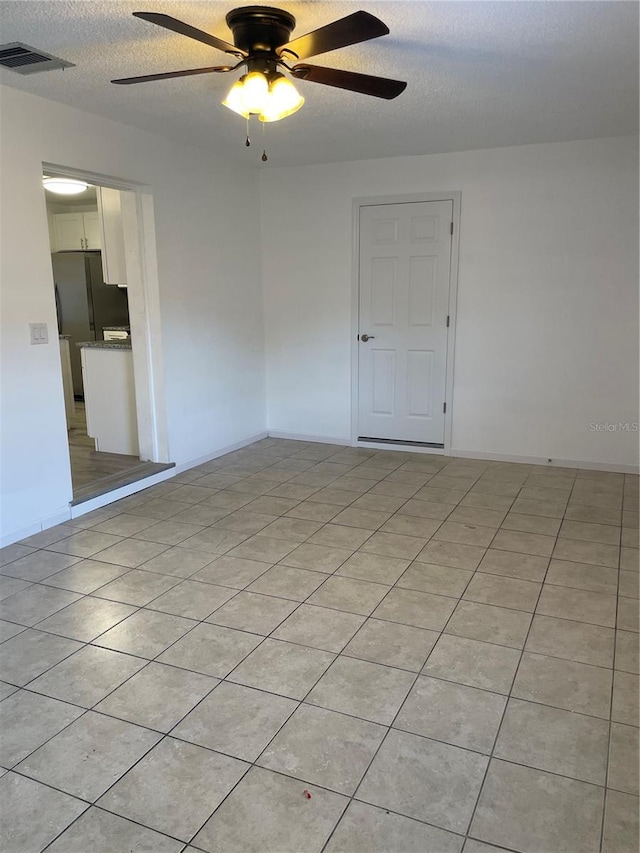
248, 141
264, 150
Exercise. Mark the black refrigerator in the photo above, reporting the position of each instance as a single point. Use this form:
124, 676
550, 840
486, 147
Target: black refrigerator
85, 304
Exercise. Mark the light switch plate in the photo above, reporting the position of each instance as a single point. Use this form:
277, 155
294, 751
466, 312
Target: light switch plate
39, 334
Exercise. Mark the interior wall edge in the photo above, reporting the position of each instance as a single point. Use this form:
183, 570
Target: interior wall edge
221, 451
211, 319
547, 304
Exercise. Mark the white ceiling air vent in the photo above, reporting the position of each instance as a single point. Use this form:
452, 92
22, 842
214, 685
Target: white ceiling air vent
23, 59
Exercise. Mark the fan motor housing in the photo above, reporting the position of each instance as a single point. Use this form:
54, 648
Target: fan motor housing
260, 29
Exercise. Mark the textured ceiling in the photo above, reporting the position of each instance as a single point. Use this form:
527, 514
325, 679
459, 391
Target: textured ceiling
480, 74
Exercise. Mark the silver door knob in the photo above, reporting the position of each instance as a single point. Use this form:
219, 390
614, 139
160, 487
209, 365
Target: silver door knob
366, 338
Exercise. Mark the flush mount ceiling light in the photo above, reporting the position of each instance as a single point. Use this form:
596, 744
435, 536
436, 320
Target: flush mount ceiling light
261, 43
64, 186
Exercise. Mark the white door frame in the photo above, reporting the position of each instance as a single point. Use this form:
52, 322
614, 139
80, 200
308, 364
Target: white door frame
144, 306
358, 203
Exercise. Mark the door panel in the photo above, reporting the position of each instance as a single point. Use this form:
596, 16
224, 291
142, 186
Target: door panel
419, 383
423, 274
383, 381
383, 291
404, 272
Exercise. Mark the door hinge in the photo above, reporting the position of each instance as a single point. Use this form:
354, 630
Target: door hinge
444, 408
451, 228
448, 320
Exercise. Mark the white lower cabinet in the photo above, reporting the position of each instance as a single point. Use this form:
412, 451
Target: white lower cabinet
110, 399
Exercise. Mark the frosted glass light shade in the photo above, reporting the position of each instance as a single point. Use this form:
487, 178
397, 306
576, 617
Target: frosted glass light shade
248, 96
284, 100
255, 92
64, 186
270, 101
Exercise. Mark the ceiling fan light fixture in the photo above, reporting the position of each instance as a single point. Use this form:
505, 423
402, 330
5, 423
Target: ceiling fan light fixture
270, 97
284, 100
235, 99
64, 186
248, 95
255, 92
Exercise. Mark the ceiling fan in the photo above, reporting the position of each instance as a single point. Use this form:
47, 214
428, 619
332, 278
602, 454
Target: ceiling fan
261, 42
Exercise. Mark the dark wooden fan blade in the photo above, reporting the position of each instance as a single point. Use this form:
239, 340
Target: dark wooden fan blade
360, 26
379, 87
177, 26
125, 81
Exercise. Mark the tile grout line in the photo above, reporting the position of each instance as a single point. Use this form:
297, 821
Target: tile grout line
603, 786
509, 695
613, 681
200, 621
395, 717
189, 711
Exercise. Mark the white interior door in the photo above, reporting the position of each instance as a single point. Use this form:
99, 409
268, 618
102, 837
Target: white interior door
404, 279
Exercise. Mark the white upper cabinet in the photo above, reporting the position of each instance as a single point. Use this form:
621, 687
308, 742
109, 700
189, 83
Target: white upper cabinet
97, 229
92, 230
113, 256
77, 231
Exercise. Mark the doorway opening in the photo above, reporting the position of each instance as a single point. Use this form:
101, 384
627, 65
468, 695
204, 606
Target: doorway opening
103, 293
404, 300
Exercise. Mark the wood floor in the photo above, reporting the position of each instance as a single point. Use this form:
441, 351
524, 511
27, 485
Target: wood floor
87, 464
94, 473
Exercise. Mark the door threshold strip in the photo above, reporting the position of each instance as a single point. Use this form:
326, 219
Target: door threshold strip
117, 481
401, 441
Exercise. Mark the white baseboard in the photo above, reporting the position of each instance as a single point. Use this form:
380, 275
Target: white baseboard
463, 454
132, 488
349, 442
193, 463
62, 514
554, 463
68, 512
316, 439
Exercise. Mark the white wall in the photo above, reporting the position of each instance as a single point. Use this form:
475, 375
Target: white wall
547, 326
211, 306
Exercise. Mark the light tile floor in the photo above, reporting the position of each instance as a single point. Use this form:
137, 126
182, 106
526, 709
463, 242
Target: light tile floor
300, 648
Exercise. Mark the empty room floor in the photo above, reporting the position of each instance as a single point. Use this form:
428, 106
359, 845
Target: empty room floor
299, 648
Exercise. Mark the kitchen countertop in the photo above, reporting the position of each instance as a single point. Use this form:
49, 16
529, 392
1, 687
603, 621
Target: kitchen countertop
64, 337
123, 344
